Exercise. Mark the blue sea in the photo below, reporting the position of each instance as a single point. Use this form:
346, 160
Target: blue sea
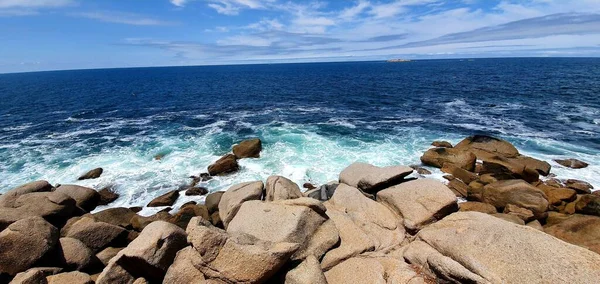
314, 119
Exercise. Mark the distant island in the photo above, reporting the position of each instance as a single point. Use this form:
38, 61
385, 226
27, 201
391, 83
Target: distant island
398, 60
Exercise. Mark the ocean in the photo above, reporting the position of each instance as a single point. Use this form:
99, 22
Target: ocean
314, 119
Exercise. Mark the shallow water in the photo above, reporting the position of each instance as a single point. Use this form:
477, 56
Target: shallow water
314, 119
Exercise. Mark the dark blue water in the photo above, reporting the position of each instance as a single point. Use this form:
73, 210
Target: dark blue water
314, 118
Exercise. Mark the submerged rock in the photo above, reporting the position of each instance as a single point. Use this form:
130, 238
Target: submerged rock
192, 191
92, 174
224, 165
248, 149
370, 179
572, 163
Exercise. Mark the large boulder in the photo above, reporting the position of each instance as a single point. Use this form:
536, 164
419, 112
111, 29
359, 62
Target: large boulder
372, 270
462, 174
235, 257
224, 165
7, 199
248, 149
502, 252
73, 277
281, 188
94, 234
148, 256
581, 230
86, 198
186, 213
369, 178
183, 269
321, 241
419, 202
517, 192
118, 216
92, 174
363, 225
291, 221
437, 157
212, 201
588, 204
75, 255
500, 166
572, 163
232, 199
55, 207
166, 199
24, 243
482, 145
307, 272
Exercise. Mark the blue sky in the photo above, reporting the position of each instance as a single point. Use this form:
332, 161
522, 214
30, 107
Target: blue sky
78, 34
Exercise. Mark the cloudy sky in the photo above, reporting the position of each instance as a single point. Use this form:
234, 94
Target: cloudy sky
75, 34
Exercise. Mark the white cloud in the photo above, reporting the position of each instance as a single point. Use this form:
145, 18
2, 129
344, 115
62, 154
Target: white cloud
34, 3
122, 18
178, 3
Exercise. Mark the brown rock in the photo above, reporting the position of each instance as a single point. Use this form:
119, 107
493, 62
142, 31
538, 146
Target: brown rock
86, 198
92, 174
75, 254
192, 191
502, 166
459, 188
224, 165
308, 272
36, 275
477, 206
558, 195
588, 204
419, 202
232, 199
581, 230
510, 218
441, 144
466, 176
96, 235
572, 163
517, 192
215, 220
166, 199
521, 213
25, 242
212, 201
186, 213
148, 256
55, 207
183, 269
248, 149
372, 270
281, 188
437, 157
140, 222
485, 145
308, 186
475, 191
371, 179
7, 199
579, 185
107, 195
321, 241
536, 225
118, 216
107, 254
73, 277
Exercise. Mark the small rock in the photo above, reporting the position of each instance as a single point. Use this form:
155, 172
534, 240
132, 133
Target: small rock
118, 216
441, 144
107, 195
196, 191
323, 192
477, 206
166, 199
579, 185
522, 213
459, 188
107, 254
248, 149
308, 186
36, 275
464, 175
572, 163
186, 213
224, 165
75, 254
95, 173
140, 222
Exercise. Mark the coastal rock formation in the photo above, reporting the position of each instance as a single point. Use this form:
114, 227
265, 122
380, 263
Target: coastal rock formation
248, 149
92, 174
193, 191
107, 195
94, 234
370, 179
281, 188
232, 199
441, 144
516, 192
437, 157
579, 186
224, 165
166, 199
85, 198
581, 230
572, 163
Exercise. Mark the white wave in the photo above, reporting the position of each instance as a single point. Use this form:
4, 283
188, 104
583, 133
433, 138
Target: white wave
18, 127
597, 121
341, 122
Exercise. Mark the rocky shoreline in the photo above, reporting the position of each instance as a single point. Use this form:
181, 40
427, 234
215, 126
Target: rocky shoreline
501, 218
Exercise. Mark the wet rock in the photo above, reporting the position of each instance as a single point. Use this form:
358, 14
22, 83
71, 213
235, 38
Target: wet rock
96, 235
194, 191
248, 149
107, 195
92, 174
224, 165
85, 198
73, 277
441, 144
579, 185
308, 186
281, 188
291, 221
371, 179
516, 192
148, 256
25, 242
572, 163
166, 199
478, 242
419, 202
437, 157
212, 201
482, 145
581, 230
478, 207
235, 258
588, 204
235, 196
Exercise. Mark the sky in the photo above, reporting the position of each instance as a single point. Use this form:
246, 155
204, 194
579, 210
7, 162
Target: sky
80, 34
